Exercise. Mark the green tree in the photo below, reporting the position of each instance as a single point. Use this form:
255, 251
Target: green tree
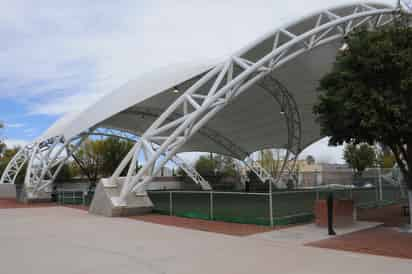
310, 160
367, 97
206, 166
386, 159
2, 144
100, 158
272, 160
65, 174
89, 158
113, 152
225, 165
359, 157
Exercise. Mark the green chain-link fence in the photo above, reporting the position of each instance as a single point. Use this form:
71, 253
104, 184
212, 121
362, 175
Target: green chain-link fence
288, 207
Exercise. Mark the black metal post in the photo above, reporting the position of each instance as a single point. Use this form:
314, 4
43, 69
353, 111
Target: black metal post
330, 214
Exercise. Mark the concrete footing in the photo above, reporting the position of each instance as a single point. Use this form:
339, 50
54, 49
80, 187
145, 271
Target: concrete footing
105, 201
7, 191
39, 197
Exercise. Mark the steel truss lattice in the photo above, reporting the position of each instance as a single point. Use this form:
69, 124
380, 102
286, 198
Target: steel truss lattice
221, 140
46, 159
16, 164
229, 79
289, 109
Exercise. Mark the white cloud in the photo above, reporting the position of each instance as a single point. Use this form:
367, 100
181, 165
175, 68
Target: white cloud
15, 142
191, 157
60, 55
14, 125
323, 153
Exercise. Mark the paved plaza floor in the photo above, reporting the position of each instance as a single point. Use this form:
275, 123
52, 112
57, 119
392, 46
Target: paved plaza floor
53, 240
304, 234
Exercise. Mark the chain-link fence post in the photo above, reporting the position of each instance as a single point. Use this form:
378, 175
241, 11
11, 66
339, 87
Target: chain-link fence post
170, 203
380, 184
270, 205
211, 205
377, 193
401, 189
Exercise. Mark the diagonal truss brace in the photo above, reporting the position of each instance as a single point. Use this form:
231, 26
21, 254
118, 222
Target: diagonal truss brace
220, 140
189, 169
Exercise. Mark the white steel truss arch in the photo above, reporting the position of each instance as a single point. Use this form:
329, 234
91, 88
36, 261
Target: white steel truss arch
16, 164
274, 90
46, 159
189, 169
231, 78
290, 110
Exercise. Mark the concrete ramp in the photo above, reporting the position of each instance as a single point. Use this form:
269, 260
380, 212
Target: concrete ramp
106, 195
8, 191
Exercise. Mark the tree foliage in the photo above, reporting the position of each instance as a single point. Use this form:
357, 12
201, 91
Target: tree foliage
226, 165
310, 160
2, 144
386, 159
67, 172
99, 158
206, 166
359, 157
367, 97
216, 165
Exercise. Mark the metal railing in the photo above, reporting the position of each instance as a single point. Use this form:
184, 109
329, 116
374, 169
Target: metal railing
74, 197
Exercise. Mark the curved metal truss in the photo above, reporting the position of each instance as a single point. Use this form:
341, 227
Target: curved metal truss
289, 109
229, 79
46, 159
235, 150
189, 169
15, 165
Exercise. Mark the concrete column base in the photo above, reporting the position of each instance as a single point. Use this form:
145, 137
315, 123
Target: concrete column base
39, 197
7, 191
105, 201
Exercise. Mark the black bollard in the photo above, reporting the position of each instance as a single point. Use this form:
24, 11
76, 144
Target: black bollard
330, 214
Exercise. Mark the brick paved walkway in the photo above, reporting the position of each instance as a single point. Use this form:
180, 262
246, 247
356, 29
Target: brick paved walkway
206, 225
389, 215
12, 203
384, 240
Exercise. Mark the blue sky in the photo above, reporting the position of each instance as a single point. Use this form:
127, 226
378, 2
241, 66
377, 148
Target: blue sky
60, 56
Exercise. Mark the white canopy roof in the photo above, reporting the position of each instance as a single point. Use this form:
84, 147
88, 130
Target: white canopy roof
252, 121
